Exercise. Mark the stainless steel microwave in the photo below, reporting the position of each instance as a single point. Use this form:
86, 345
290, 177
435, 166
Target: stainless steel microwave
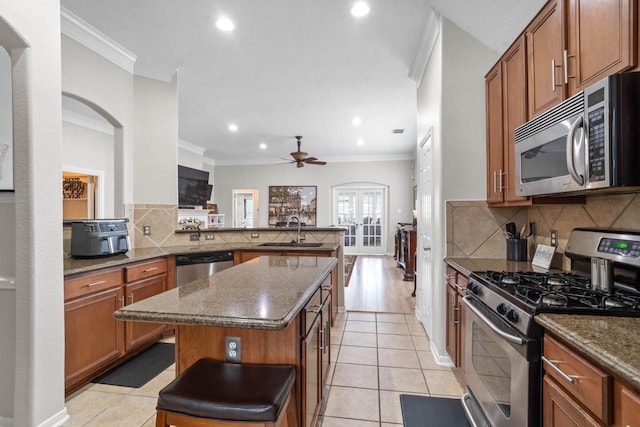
590, 141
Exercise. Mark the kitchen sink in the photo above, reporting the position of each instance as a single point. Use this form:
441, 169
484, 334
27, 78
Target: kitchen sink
293, 244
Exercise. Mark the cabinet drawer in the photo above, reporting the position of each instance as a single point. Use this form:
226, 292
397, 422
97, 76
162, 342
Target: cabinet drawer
311, 311
462, 283
89, 283
145, 269
588, 384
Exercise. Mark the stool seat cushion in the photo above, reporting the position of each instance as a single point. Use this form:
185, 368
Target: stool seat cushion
227, 391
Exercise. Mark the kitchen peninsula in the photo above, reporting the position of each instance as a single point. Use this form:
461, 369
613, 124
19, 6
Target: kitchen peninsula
279, 308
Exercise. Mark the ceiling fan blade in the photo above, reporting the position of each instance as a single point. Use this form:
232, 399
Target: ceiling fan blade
316, 162
309, 159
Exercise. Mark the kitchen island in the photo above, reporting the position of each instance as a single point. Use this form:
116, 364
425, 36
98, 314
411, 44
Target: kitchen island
278, 307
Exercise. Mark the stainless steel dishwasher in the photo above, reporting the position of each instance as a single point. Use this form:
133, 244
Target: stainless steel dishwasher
192, 267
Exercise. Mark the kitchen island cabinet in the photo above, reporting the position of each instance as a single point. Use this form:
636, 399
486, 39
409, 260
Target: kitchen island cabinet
267, 302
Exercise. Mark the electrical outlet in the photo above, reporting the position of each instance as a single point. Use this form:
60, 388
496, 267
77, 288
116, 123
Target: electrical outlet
554, 238
146, 230
209, 236
233, 349
194, 237
255, 235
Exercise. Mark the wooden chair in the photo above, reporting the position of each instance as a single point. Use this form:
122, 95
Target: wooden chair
217, 394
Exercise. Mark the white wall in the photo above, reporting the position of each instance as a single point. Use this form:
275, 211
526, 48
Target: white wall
156, 140
398, 175
451, 102
7, 308
189, 159
37, 396
104, 85
87, 149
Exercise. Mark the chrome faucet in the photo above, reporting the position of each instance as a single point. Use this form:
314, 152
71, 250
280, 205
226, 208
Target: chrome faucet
299, 236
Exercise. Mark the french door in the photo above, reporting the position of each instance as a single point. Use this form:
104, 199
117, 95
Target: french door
361, 211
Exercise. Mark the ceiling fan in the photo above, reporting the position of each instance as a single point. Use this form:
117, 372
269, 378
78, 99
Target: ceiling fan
300, 157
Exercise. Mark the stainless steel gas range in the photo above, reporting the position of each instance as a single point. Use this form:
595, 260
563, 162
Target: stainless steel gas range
503, 345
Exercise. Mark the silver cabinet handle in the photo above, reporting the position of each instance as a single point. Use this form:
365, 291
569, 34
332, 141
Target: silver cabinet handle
150, 269
501, 183
99, 282
565, 56
121, 301
131, 299
495, 187
553, 75
552, 363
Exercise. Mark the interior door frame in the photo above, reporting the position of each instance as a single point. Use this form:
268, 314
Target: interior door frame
98, 201
384, 224
256, 201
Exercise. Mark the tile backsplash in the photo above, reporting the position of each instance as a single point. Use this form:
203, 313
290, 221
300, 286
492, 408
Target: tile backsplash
475, 230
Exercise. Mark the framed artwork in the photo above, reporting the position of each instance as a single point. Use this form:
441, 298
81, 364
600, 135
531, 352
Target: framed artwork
288, 201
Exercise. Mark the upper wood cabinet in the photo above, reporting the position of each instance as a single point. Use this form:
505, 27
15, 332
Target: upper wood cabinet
571, 44
506, 108
545, 47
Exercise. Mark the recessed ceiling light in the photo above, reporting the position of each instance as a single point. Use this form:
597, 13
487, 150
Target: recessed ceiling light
233, 127
356, 121
263, 146
225, 24
360, 141
360, 9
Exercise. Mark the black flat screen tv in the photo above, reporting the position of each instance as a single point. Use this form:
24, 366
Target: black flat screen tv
193, 187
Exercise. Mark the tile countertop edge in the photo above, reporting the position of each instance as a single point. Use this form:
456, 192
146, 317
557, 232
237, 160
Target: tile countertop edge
133, 313
615, 353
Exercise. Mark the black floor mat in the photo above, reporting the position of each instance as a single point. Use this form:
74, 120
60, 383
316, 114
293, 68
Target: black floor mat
142, 368
425, 411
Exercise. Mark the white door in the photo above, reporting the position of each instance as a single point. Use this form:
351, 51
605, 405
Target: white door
424, 291
361, 211
245, 203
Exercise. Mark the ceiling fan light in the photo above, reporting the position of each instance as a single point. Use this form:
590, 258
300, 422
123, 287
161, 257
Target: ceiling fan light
263, 146
225, 24
233, 127
360, 9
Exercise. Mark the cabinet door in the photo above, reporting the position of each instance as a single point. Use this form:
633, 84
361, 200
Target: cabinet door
311, 369
627, 406
560, 410
514, 96
462, 333
325, 346
600, 40
545, 46
138, 333
493, 99
452, 325
93, 338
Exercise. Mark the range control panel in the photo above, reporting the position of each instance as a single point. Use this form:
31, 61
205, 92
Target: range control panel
627, 248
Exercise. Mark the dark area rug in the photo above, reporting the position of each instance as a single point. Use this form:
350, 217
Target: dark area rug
425, 411
349, 262
142, 368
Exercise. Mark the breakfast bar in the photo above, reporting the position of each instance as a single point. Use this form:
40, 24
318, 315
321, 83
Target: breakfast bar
276, 308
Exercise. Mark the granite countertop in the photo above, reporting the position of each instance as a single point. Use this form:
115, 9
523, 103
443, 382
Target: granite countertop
611, 342
263, 293
469, 265
80, 265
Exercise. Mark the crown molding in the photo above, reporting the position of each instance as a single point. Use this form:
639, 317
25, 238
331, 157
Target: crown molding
91, 38
209, 161
425, 47
191, 147
84, 121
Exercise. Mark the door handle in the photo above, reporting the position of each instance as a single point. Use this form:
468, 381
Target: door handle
569, 151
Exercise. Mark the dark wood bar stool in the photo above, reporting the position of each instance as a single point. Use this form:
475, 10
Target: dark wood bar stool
217, 394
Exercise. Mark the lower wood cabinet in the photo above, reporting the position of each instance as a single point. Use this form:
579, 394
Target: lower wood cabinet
94, 340
456, 316
560, 410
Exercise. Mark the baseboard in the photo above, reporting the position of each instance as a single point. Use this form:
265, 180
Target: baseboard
6, 422
56, 420
441, 359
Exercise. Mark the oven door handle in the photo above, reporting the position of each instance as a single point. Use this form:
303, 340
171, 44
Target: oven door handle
464, 399
511, 338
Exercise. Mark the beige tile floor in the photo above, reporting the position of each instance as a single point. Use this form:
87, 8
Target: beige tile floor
376, 356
